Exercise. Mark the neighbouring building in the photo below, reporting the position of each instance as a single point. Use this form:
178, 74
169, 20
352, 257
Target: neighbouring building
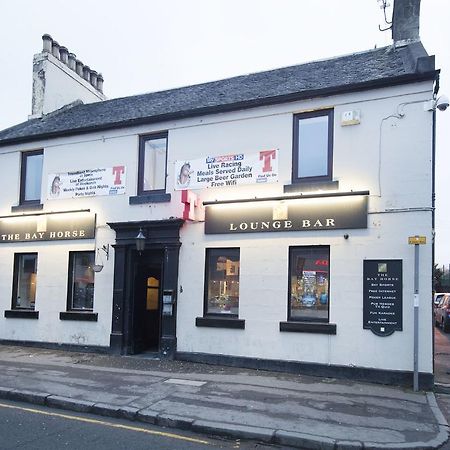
261, 220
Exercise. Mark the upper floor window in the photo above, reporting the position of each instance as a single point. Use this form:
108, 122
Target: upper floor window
312, 158
152, 163
24, 280
31, 177
222, 281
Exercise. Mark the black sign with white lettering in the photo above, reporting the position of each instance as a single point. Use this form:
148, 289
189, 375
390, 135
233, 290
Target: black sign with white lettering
308, 214
47, 227
383, 299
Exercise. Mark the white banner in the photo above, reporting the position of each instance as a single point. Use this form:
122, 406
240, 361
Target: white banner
227, 170
87, 183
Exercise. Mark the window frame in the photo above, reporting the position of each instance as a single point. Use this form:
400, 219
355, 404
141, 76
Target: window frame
307, 319
23, 177
209, 252
15, 287
69, 303
141, 162
295, 150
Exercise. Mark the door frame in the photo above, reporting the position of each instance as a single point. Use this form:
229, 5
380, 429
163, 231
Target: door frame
160, 235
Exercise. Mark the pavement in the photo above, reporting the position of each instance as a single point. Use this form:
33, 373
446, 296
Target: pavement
276, 408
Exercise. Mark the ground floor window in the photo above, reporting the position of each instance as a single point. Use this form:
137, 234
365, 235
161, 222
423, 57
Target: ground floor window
81, 281
24, 281
309, 283
222, 281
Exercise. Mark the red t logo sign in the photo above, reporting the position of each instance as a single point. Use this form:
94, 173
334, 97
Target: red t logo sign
267, 156
117, 171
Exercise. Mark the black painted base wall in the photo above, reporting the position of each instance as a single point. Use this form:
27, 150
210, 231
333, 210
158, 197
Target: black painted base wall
390, 377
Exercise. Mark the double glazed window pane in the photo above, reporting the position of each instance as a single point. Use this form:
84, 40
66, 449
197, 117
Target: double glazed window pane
313, 147
155, 164
81, 281
222, 281
309, 283
25, 281
33, 176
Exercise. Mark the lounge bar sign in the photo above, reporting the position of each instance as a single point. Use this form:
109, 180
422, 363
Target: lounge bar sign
47, 227
383, 300
299, 214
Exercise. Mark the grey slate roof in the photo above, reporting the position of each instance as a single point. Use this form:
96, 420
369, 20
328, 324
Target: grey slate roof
370, 69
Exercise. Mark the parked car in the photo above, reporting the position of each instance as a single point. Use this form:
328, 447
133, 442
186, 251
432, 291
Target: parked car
438, 297
308, 300
442, 313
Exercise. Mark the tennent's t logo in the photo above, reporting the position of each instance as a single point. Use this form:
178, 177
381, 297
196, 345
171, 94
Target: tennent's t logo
267, 156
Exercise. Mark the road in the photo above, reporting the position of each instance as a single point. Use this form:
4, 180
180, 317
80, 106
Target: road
30, 427
442, 371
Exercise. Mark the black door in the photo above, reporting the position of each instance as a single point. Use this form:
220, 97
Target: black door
147, 303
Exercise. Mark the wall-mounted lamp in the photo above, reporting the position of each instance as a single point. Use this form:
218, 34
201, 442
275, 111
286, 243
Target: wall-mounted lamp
98, 267
140, 241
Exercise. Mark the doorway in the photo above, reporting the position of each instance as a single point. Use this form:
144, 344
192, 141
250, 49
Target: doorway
147, 302
141, 279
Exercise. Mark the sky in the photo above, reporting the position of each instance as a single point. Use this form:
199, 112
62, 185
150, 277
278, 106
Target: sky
149, 45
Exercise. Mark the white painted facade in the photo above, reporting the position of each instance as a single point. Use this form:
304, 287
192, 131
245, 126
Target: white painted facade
389, 154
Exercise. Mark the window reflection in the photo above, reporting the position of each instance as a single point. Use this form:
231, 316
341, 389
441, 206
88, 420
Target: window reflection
222, 284
32, 176
81, 281
309, 283
25, 278
155, 164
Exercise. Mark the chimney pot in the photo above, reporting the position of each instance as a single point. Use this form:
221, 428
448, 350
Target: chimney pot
55, 49
64, 54
93, 79
100, 82
79, 68
72, 61
47, 43
405, 21
87, 73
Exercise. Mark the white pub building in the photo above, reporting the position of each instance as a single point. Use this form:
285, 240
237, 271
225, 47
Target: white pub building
257, 221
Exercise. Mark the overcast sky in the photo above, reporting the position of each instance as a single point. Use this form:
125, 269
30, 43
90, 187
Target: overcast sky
148, 45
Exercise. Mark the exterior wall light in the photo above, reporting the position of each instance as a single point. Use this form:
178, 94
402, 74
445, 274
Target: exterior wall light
140, 241
98, 267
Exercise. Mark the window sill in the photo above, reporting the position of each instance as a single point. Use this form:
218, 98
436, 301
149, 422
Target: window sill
27, 207
21, 314
308, 327
150, 198
311, 186
84, 316
220, 322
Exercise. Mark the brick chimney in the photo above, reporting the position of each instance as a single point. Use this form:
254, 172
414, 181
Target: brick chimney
60, 79
405, 22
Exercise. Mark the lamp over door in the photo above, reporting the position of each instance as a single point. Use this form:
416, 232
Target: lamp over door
140, 241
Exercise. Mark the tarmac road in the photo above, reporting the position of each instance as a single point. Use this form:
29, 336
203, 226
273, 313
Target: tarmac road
31, 427
442, 373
